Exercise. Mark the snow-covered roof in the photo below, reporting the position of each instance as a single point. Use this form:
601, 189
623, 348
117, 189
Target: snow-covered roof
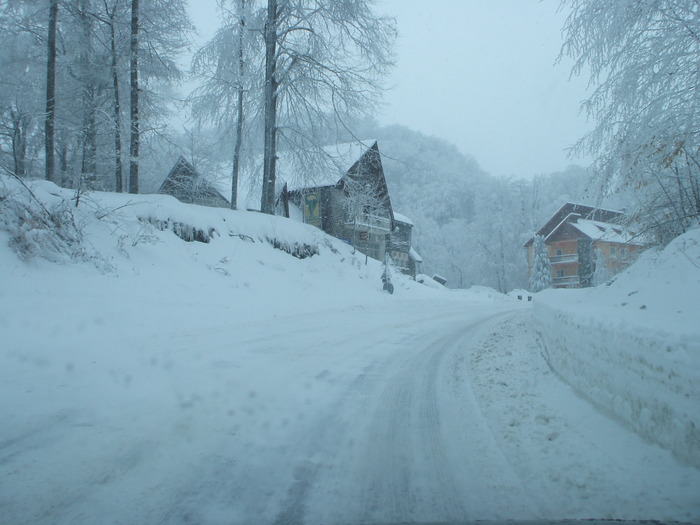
570, 218
402, 218
415, 255
603, 231
569, 211
326, 171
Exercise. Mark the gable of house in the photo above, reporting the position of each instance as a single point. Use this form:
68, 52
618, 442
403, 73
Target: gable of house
188, 186
570, 210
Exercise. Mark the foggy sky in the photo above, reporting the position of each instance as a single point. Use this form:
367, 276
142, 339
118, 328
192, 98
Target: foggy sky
480, 74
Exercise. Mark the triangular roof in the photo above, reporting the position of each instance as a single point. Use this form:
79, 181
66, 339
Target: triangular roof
187, 185
570, 211
370, 165
328, 170
338, 159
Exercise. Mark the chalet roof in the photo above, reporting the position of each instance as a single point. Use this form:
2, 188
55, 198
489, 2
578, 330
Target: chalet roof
402, 218
603, 231
181, 171
186, 184
572, 211
338, 160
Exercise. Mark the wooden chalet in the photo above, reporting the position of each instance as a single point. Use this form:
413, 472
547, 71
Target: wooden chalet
575, 234
186, 185
353, 204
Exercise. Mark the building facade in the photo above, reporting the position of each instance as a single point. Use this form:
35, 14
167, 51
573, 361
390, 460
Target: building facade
584, 242
356, 208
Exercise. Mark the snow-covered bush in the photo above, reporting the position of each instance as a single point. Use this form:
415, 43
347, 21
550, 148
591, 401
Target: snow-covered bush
36, 229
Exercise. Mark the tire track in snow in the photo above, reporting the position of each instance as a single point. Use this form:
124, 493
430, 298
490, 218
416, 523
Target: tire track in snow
407, 466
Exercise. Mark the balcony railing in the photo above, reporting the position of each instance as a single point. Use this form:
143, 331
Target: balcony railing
567, 280
561, 259
371, 222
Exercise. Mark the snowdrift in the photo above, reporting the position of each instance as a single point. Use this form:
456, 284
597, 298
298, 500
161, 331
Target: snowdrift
632, 346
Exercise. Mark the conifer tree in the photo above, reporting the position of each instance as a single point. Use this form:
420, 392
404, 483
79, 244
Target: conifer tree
541, 276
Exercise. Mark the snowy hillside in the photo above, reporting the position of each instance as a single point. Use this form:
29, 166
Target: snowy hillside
155, 238
632, 345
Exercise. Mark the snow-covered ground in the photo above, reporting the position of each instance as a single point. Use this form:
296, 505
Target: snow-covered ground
145, 379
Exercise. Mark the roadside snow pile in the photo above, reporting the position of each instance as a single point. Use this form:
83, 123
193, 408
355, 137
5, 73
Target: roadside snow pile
632, 346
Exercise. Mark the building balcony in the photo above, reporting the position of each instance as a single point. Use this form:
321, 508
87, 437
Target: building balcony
399, 246
562, 259
568, 280
371, 222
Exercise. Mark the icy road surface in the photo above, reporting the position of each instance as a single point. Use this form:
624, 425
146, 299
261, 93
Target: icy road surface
422, 411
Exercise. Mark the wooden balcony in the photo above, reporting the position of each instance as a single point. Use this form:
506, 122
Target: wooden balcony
371, 222
566, 281
563, 259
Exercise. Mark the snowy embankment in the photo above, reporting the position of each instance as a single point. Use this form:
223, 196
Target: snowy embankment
632, 346
139, 238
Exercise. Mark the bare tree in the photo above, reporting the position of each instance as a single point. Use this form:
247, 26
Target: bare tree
324, 62
643, 56
231, 66
134, 92
49, 122
110, 19
270, 98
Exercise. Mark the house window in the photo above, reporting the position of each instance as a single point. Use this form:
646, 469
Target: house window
613, 251
623, 252
559, 252
560, 273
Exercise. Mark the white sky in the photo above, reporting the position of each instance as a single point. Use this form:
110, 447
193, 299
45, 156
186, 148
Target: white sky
480, 74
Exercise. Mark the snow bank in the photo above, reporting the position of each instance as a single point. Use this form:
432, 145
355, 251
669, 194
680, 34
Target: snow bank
139, 240
632, 345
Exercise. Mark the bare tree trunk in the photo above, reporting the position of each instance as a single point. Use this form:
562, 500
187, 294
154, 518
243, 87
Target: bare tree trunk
62, 149
118, 170
49, 123
270, 96
239, 122
88, 170
134, 114
20, 123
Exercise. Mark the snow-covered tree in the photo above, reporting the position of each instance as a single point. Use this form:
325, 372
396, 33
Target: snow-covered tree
643, 60
601, 273
230, 66
67, 63
22, 105
541, 276
366, 199
324, 61
50, 119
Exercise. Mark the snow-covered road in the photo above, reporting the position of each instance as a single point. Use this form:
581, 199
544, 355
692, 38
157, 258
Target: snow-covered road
431, 410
